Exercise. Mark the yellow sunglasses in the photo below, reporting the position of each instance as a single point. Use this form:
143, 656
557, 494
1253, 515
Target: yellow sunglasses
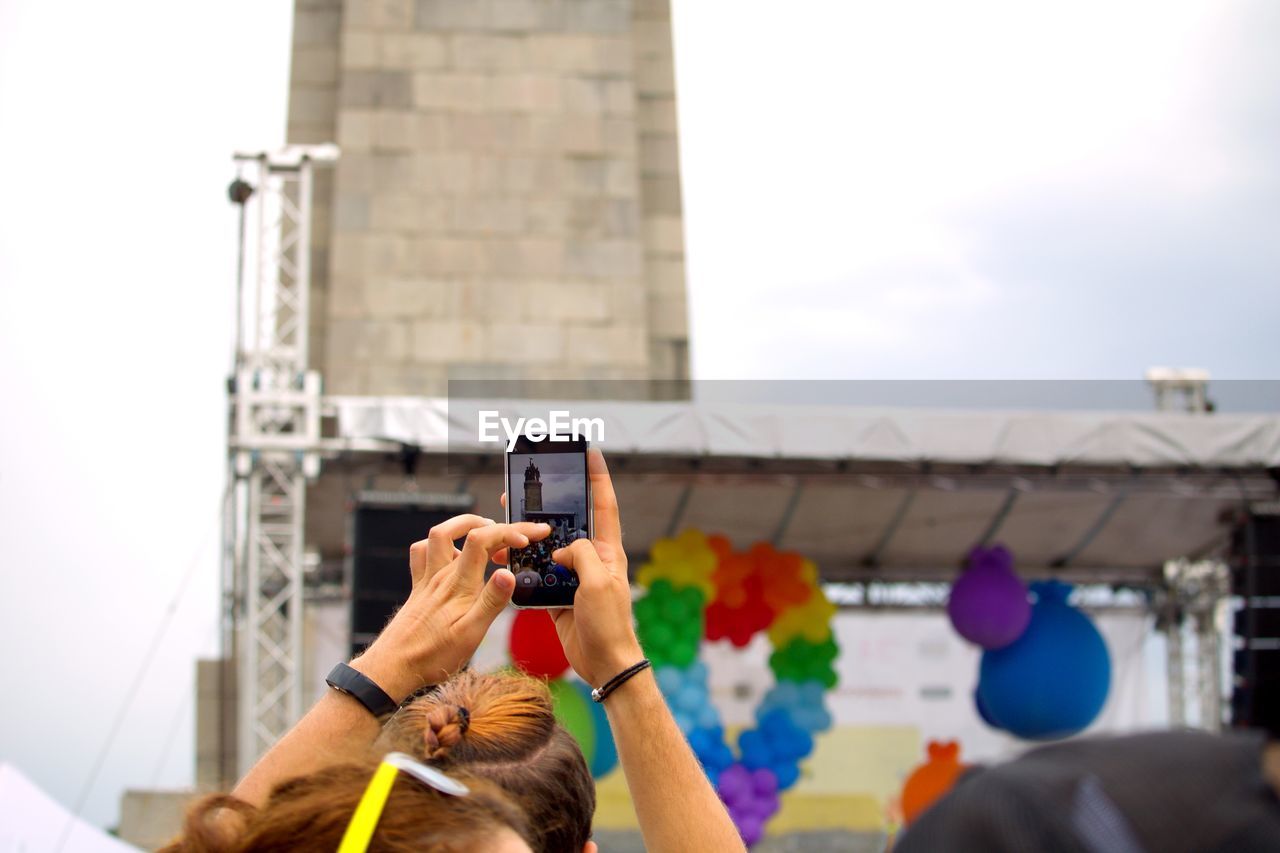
369, 810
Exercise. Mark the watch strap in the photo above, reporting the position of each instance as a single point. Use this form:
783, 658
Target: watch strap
359, 686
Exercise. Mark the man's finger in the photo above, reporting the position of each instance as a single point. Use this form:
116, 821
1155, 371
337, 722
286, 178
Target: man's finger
563, 619
503, 500
493, 600
485, 541
440, 551
418, 561
604, 502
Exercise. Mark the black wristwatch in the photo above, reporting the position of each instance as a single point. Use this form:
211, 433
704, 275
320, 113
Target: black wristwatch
356, 684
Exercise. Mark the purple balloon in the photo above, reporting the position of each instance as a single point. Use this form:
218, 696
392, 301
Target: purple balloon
764, 782
750, 827
996, 557
735, 783
989, 604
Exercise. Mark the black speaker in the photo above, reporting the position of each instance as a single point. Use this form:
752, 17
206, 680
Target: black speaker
1255, 578
382, 527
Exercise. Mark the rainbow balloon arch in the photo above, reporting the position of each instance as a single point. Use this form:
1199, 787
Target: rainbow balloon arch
696, 588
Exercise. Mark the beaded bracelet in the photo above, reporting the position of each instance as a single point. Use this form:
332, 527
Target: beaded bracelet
599, 694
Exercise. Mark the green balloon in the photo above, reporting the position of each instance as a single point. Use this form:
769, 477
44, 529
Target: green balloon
573, 712
801, 660
692, 598
670, 623
656, 636
662, 588
684, 651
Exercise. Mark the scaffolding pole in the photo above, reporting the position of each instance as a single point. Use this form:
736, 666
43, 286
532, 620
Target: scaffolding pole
1175, 672
273, 444
1195, 592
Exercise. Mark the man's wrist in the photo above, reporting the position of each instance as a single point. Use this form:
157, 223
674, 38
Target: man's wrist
394, 679
640, 687
616, 663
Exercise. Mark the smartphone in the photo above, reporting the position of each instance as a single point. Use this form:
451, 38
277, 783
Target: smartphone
547, 481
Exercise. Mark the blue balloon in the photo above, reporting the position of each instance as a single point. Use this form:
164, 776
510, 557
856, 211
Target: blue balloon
711, 751
812, 692
684, 722
803, 702
813, 719
702, 741
697, 672
708, 716
1053, 680
799, 745
983, 713
787, 740
778, 745
670, 680
755, 751
774, 719
690, 699
788, 774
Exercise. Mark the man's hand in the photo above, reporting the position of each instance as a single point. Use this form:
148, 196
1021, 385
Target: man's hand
598, 633
451, 606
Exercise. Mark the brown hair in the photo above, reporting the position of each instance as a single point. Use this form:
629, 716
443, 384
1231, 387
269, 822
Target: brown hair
502, 726
311, 813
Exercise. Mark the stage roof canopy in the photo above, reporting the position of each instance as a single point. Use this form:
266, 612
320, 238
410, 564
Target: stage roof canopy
893, 494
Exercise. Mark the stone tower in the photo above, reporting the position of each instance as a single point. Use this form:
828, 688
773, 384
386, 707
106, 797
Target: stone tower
507, 204
532, 488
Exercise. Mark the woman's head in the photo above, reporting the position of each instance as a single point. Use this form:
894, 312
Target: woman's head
312, 813
502, 727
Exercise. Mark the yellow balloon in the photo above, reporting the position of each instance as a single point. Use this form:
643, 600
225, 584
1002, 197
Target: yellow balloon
811, 620
686, 561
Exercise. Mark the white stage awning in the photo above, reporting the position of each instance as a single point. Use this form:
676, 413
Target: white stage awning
893, 494
1140, 439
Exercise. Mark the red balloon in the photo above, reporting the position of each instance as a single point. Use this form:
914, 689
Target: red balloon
534, 646
717, 621
739, 618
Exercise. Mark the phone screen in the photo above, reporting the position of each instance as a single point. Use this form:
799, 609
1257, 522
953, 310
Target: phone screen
547, 481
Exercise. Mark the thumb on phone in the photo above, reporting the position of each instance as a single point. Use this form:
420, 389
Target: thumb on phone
581, 556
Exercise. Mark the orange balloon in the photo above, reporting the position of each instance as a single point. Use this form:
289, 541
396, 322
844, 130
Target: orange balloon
720, 544
928, 782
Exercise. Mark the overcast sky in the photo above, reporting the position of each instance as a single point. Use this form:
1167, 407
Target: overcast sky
909, 189
995, 189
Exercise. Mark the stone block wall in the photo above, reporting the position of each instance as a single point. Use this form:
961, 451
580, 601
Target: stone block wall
507, 203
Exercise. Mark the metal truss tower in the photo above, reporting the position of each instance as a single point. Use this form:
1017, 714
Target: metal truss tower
273, 443
1194, 592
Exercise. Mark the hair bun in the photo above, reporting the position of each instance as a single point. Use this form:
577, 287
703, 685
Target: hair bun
445, 726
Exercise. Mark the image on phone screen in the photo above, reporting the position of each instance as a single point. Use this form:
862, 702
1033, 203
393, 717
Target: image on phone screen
547, 482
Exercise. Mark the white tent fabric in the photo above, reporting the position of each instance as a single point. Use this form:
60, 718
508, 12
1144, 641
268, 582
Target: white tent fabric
33, 822
1141, 439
